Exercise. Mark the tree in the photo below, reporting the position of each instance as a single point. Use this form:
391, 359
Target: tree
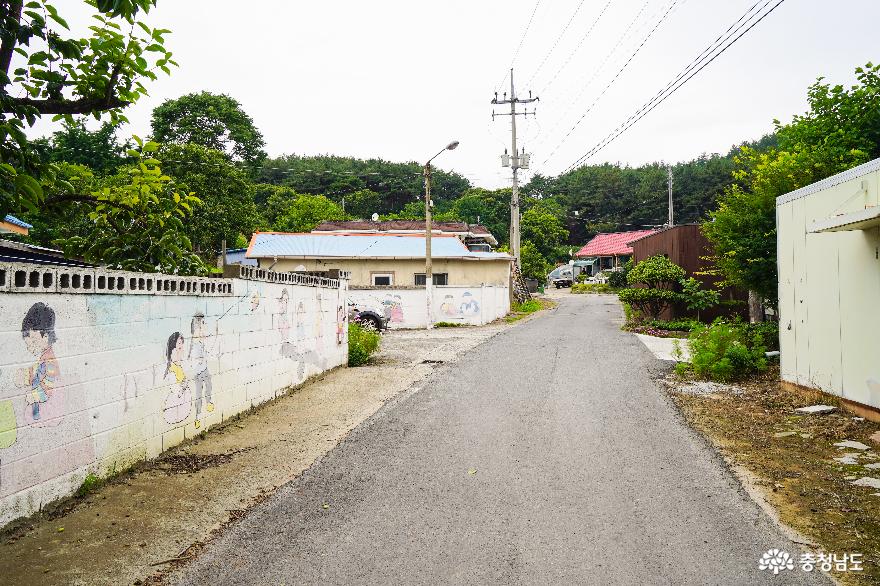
534, 265
491, 208
543, 228
99, 150
841, 130
225, 190
57, 74
214, 121
363, 203
306, 212
138, 222
696, 298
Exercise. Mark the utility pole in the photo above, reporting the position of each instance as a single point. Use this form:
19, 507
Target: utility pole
669, 171
516, 161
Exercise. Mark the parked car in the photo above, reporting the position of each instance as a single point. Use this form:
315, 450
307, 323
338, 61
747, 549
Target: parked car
368, 315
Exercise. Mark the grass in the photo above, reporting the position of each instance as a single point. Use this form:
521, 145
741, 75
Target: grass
90, 484
450, 324
520, 310
580, 288
797, 471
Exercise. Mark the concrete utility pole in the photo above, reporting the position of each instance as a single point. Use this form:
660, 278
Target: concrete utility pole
516, 161
670, 223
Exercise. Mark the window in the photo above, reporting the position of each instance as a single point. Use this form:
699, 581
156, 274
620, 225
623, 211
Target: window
436, 278
383, 279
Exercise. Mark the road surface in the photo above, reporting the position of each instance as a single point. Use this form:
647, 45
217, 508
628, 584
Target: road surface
546, 456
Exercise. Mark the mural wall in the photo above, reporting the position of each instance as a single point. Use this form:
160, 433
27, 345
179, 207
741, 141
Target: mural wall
93, 382
407, 308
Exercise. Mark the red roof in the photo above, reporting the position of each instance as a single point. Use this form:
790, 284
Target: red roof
613, 244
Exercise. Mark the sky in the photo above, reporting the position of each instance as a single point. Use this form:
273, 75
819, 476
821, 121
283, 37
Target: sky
398, 80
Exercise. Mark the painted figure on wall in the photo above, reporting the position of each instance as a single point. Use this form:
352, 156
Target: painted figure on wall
177, 402
255, 301
283, 325
300, 321
340, 324
319, 320
200, 346
40, 381
393, 309
469, 305
448, 307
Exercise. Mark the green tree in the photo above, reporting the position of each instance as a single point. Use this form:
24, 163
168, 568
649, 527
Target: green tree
533, 263
214, 121
543, 228
306, 212
60, 75
362, 203
841, 130
491, 208
99, 150
138, 222
225, 190
696, 298
651, 285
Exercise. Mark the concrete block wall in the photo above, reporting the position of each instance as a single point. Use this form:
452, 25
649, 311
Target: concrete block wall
94, 379
407, 308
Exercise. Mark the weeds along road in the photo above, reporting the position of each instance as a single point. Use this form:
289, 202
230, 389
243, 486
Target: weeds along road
546, 455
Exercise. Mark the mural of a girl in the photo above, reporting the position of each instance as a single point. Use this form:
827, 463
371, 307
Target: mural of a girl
41, 381
178, 401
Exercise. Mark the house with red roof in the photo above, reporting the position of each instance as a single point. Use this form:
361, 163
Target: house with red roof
610, 250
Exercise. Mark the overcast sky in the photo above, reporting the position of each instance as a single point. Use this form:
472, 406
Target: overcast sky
399, 79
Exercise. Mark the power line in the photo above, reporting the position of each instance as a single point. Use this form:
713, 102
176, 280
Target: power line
596, 72
519, 46
613, 79
579, 45
688, 73
556, 42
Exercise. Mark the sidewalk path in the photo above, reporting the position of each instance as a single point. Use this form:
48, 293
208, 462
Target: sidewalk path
546, 456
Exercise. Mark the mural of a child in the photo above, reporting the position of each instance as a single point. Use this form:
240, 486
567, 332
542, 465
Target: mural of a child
177, 402
41, 380
199, 348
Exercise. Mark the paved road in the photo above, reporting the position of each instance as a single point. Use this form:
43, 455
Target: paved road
584, 474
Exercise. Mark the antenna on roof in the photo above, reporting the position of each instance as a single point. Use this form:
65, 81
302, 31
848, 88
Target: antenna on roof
375, 217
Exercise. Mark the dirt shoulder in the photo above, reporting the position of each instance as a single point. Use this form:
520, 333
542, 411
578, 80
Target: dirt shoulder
127, 531
790, 459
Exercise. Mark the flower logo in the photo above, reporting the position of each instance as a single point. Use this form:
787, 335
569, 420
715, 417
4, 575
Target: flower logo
775, 560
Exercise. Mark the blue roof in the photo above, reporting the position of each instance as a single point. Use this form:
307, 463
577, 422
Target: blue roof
328, 245
15, 221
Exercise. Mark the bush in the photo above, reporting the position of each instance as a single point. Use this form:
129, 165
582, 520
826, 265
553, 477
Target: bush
649, 302
674, 325
725, 351
655, 272
768, 331
591, 288
362, 342
696, 298
617, 279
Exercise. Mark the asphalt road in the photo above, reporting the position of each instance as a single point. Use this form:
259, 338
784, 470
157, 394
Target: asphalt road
546, 456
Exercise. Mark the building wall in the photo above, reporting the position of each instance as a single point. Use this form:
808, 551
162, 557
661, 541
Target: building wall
467, 273
686, 246
829, 289
408, 308
86, 383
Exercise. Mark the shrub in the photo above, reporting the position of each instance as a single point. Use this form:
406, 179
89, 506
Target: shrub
650, 302
617, 279
726, 351
768, 331
674, 325
362, 343
591, 288
450, 324
655, 272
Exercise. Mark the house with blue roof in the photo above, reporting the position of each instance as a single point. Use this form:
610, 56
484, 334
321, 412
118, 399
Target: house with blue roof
381, 259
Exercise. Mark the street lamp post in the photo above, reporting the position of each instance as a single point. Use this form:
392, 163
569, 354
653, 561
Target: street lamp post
429, 275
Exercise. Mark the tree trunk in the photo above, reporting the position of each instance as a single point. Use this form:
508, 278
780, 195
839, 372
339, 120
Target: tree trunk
756, 308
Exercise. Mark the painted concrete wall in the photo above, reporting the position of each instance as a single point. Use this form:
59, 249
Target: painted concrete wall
407, 308
461, 273
93, 382
829, 289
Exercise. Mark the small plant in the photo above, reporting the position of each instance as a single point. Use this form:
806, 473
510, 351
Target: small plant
618, 279
726, 351
90, 484
696, 298
449, 324
530, 306
361, 344
581, 278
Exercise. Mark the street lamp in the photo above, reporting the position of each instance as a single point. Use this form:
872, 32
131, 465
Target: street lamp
429, 275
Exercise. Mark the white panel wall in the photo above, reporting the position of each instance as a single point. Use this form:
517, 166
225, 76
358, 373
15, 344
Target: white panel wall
408, 308
829, 289
87, 385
